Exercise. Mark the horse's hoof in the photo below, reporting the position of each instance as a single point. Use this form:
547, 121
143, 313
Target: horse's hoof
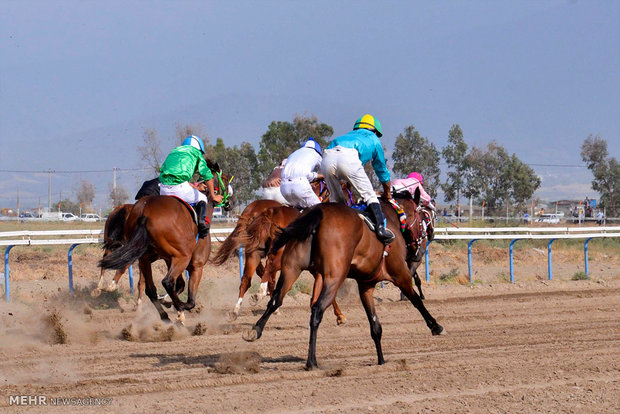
438, 330
95, 292
250, 335
232, 316
341, 321
311, 367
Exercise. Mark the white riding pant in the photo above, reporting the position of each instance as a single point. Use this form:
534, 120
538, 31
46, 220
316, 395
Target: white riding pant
340, 163
184, 191
298, 192
271, 193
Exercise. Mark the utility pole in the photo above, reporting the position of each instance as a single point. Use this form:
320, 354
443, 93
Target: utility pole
49, 190
114, 181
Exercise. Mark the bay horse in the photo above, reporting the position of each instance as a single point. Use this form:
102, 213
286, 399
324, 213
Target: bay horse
334, 243
162, 227
264, 217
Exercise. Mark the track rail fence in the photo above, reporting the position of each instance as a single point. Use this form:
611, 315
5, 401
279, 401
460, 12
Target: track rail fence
74, 238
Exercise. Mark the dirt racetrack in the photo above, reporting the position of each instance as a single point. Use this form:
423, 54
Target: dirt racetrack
534, 346
538, 348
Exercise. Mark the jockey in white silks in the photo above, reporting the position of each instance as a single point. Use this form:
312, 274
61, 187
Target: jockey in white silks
297, 174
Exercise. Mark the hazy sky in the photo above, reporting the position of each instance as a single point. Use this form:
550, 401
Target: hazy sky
80, 80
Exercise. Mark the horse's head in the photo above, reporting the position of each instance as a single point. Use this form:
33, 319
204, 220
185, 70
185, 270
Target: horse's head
419, 219
221, 185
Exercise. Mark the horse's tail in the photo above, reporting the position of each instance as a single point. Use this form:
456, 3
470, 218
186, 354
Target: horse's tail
259, 232
114, 228
300, 229
231, 243
129, 252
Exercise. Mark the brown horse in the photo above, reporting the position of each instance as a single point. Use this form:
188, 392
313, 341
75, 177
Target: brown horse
162, 227
417, 233
334, 243
271, 219
259, 237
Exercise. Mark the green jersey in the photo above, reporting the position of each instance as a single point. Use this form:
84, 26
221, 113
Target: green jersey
181, 164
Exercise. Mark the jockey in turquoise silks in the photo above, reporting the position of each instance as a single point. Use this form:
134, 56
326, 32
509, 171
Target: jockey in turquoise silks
344, 159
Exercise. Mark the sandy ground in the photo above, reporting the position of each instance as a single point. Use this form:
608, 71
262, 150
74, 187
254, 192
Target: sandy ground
533, 346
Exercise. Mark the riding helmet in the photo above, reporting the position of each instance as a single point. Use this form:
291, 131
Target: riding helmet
369, 122
311, 143
196, 142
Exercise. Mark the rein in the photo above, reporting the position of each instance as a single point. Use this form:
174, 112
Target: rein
223, 188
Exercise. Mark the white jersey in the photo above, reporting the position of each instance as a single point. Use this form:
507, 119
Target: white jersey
302, 163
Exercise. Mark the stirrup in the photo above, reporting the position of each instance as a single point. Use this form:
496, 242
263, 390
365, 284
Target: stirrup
385, 235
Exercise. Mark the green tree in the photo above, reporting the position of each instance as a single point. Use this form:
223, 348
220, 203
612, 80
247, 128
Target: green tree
498, 178
455, 154
606, 171
68, 206
412, 152
282, 138
239, 162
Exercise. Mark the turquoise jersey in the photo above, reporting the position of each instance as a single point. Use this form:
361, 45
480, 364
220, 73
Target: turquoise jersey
181, 164
368, 147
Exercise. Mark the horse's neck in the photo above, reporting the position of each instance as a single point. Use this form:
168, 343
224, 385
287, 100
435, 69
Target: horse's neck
210, 209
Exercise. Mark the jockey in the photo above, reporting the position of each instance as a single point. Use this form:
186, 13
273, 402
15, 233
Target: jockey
414, 180
270, 189
344, 159
178, 169
297, 174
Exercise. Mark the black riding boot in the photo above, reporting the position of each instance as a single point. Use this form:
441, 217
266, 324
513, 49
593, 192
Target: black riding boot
384, 234
203, 227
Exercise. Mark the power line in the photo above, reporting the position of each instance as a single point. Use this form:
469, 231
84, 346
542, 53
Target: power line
74, 172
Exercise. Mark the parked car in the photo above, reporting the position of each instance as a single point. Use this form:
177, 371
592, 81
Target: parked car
90, 217
69, 217
550, 218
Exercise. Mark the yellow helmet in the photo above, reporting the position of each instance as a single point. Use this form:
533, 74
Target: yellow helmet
369, 122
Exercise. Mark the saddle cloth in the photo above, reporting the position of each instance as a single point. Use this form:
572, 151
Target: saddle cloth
191, 210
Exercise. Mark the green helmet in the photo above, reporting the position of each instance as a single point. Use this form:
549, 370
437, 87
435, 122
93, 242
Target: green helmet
369, 122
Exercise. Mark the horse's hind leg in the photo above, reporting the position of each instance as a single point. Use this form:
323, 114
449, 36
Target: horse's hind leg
252, 262
288, 276
340, 318
326, 297
318, 287
366, 292
151, 291
175, 270
268, 279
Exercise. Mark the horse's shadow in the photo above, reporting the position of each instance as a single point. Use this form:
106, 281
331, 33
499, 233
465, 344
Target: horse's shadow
215, 360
